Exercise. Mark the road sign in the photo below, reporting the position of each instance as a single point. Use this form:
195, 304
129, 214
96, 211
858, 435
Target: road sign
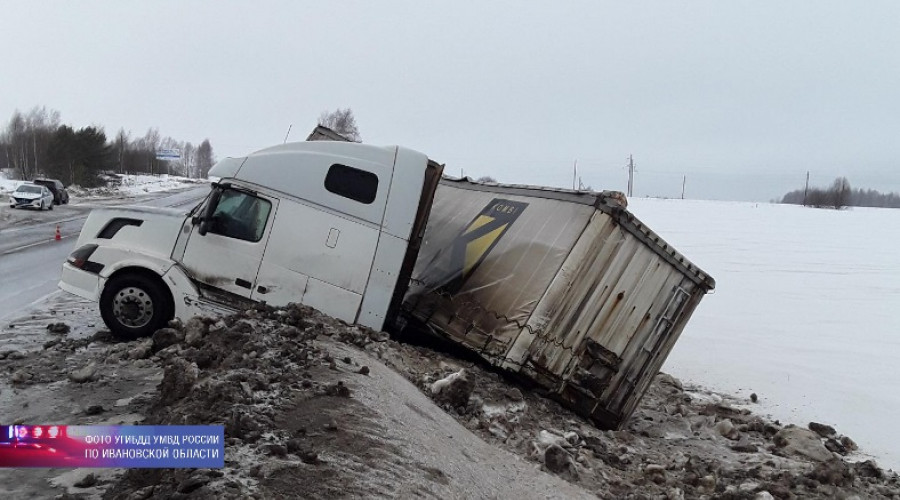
168, 154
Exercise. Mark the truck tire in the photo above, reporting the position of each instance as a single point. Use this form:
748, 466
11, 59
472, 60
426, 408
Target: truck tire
134, 305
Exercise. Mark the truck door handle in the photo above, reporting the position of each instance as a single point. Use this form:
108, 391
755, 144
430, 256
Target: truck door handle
262, 289
332, 239
242, 283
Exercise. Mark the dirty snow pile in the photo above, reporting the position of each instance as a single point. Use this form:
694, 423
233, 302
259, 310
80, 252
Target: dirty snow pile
679, 444
242, 371
290, 385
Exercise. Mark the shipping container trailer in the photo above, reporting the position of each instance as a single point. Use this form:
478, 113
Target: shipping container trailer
567, 288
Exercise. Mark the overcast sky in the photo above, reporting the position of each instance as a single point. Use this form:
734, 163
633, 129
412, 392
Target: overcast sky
742, 98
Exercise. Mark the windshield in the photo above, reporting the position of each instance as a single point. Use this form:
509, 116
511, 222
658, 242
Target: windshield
194, 211
29, 189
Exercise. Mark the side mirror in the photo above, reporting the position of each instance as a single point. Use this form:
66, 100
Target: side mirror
206, 219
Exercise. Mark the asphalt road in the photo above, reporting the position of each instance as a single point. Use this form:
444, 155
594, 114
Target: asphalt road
31, 258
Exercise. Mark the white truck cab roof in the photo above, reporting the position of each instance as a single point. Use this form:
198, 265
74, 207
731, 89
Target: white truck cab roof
299, 169
250, 167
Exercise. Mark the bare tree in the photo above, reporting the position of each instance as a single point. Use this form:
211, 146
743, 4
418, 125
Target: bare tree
187, 159
342, 122
204, 158
40, 126
16, 144
150, 143
840, 193
121, 146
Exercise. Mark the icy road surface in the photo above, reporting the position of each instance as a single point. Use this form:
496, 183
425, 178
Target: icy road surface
806, 311
30, 258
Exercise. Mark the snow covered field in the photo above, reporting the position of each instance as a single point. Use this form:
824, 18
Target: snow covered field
806, 311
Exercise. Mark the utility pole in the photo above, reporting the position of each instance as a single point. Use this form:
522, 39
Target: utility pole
630, 175
574, 173
806, 189
683, 182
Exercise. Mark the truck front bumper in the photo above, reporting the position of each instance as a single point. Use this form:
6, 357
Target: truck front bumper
80, 282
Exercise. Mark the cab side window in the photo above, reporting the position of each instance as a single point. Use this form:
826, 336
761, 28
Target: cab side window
240, 215
353, 183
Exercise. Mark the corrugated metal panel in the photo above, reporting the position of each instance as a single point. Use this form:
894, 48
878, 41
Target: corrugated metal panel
611, 319
564, 287
482, 288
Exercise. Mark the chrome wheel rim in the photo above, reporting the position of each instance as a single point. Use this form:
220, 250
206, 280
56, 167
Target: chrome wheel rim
133, 307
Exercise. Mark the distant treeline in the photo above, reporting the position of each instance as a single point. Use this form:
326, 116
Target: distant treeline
841, 195
36, 144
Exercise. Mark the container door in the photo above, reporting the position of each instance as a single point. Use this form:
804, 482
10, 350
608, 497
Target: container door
228, 256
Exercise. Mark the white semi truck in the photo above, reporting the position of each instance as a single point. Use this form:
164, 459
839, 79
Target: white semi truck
333, 225
566, 288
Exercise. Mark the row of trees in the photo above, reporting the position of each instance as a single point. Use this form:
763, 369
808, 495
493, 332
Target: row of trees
36, 143
841, 195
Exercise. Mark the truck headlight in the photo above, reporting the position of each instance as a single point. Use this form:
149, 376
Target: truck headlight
79, 258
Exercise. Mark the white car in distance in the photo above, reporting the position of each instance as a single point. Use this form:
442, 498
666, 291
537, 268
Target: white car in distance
30, 195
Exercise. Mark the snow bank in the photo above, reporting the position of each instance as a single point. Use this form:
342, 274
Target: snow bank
7, 185
118, 185
140, 184
134, 185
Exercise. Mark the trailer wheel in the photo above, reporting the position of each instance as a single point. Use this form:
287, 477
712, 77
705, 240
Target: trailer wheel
134, 305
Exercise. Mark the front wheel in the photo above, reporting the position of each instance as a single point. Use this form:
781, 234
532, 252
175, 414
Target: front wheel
134, 305
51, 207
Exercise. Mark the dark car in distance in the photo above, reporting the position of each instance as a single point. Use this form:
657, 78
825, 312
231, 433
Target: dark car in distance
60, 195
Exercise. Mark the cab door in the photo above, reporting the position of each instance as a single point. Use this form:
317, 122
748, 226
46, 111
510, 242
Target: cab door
228, 256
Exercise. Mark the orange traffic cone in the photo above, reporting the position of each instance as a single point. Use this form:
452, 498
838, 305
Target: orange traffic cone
58, 236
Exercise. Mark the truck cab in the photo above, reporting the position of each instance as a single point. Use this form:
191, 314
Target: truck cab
333, 225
